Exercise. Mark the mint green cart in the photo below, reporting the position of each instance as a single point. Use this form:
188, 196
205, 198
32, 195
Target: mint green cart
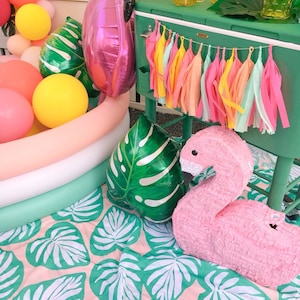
205, 26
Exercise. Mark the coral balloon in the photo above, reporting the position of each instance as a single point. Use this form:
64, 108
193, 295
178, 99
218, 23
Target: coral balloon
17, 44
16, 115
4, 12
40, 42
108, 46
32, 55
19, 3
33, 21
20, 76
59, 98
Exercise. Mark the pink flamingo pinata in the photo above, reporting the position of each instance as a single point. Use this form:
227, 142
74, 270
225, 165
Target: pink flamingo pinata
210, 223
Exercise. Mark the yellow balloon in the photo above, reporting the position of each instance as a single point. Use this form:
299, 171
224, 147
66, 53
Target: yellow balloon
32, 21
36, 128
59, 98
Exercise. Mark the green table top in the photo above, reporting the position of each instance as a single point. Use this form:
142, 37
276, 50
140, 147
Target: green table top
288, 31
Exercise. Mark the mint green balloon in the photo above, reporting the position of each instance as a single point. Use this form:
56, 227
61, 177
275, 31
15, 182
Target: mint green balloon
144, 172
62, 53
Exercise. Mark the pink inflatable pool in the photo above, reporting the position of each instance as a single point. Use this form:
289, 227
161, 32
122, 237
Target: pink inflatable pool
39, 171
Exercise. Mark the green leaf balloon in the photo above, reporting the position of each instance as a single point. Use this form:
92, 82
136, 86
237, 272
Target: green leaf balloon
62, 53
144, 172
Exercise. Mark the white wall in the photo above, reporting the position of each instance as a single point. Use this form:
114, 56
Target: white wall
67, 8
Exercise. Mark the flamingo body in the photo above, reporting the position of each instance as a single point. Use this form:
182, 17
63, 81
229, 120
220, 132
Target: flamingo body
244, 235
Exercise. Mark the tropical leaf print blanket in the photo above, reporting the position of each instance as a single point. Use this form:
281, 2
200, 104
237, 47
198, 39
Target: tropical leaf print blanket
96, 250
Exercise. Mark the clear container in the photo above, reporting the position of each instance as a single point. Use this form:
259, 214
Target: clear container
276, 9
184, 2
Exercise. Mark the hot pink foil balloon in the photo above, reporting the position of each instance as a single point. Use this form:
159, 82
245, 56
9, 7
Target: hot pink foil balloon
108, 46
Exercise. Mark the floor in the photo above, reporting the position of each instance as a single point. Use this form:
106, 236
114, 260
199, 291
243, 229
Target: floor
165, 115
162, 118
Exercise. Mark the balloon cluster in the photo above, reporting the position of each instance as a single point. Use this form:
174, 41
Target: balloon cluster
48, 78
33, 24
30, 103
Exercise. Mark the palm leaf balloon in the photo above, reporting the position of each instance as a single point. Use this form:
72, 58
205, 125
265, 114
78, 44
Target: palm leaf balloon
144, 172
62, 53
238, 8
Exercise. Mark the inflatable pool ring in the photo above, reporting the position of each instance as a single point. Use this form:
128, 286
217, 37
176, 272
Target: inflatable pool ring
58, 143
67, 160
50, 177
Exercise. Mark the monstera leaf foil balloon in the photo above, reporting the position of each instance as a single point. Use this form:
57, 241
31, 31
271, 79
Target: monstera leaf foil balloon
108, 46
144, 172
62, 53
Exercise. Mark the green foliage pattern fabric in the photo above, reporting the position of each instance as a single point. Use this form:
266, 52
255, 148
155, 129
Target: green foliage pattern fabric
95, 249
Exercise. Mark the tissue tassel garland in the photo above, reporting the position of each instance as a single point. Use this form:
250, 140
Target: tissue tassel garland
233, 93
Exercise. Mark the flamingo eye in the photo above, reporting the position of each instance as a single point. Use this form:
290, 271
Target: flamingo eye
194, 152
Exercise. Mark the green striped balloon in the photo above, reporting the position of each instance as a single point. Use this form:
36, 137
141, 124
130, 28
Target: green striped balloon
144, 172
62, 53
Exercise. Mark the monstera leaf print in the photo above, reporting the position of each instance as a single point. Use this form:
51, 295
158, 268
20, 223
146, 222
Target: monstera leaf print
117, 230
67, 287
63, 53
264, 175
20, 234
220, 283
11, 274
168, 273
114, 280
144, 172
255, 195
87, 209
160, 235
290, 291
61, 248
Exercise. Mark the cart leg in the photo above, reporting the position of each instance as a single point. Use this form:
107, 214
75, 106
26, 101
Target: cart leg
279, 182
187, 125
150, 109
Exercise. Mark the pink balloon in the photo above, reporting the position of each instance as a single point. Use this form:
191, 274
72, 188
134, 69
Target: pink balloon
17, 44
4, 11
49, 7
108, 46
16, 115
9, 57
32, 56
